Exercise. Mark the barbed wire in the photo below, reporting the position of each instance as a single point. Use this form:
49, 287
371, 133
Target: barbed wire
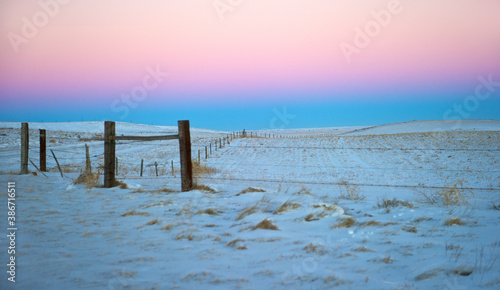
365, 148
320, 182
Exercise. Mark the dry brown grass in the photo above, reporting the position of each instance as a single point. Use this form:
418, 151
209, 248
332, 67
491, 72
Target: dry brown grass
266, 225
454, 221
250, 189
203, 187
153, 222
454, 194
119, 183
318, 249
350, 191
362, 249
345, 223
371, 223
209, 211
246, 212
167, 227
386, 203
234, 243
88, 179
303, 190
202, 169
134, 212
287, 206
409, 229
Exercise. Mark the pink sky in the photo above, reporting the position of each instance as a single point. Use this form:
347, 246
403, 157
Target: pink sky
104, 46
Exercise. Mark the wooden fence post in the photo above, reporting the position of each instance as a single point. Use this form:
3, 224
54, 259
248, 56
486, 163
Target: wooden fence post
172, 162
25, 144
199, 156
116, 165
206, 152
88, 165
43, 150
109, 154
156, 168
142, 165
185, 150
58, 166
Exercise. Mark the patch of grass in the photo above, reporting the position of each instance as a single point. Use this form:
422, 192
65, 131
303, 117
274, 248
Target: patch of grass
202, 169
371, 223
312, 217
235, 243
349, 191
287, 206
153, 222
409, 229
345, 223
209, 211
266, 225
454, 221
167, 227
454, 194
387, 203
133, 212
362, 249
246, 212
88, 179
303, 190
250, 189
311, 248
202, 187
387, 260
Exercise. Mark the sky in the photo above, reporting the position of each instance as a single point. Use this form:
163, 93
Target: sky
253, 64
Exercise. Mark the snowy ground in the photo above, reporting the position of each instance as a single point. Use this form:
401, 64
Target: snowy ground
335, 232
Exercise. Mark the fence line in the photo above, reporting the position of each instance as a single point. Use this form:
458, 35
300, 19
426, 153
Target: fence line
325, 183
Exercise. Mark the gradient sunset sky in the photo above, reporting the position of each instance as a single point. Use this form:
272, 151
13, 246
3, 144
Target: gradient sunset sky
253, 64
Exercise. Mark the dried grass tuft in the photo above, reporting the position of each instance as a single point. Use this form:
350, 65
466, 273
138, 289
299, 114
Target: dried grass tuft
454, 221
88, 179
266, 225
202, 169
134, 212
287, 206
246, 212
250, 189
345, 223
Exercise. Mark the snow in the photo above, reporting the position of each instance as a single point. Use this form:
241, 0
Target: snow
428, 126
70, 236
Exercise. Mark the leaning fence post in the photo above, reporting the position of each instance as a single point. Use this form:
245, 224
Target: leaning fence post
58, 166
25, 144
142, 165
185, 150
43, 150
109, 153
156, 168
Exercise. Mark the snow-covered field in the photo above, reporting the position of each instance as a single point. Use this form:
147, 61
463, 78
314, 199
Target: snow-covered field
351, 207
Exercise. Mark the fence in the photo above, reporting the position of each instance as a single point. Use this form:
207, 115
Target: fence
212, 145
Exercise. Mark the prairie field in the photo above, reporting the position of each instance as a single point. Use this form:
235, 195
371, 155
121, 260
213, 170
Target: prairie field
402, 206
